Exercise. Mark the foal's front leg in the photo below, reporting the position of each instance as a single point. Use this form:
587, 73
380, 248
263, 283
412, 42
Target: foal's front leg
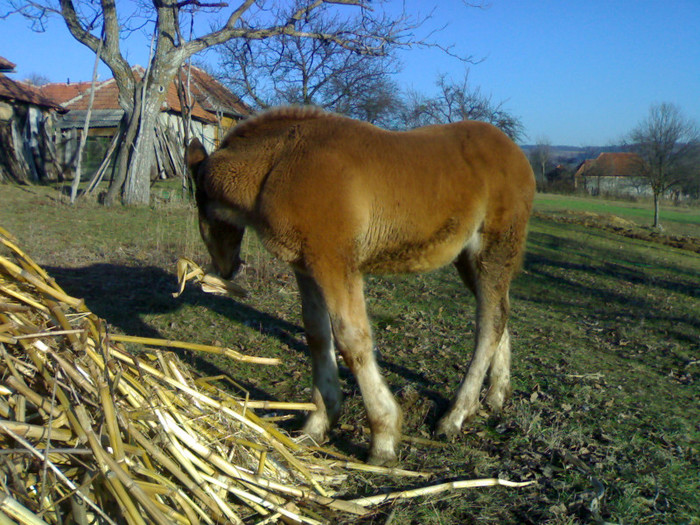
346, 305
326, 393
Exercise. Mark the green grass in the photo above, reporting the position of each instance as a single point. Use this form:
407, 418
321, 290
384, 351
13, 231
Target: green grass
674, 219
606, 342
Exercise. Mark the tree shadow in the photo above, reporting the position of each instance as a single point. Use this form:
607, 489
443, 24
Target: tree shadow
629, 266
630, 305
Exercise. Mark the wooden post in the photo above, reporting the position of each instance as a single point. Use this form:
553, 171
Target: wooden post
86, 128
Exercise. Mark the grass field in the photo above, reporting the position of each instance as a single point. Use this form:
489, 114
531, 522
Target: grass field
677, 220
605, 413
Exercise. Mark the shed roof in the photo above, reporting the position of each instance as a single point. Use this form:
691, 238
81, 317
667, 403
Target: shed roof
213, 95
22, 92
107, 97
6, 66
210, 96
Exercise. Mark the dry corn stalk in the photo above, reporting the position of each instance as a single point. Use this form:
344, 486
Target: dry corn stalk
143, 437
88, 429
188, 270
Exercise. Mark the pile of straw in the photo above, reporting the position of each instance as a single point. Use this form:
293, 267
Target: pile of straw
92, 433
90, 429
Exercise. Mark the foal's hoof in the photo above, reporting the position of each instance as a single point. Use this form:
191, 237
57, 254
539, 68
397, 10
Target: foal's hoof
447, 429
382, 459
495, 401
318, 433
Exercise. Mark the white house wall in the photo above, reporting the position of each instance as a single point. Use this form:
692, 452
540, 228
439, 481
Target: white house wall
622, 186
206, 133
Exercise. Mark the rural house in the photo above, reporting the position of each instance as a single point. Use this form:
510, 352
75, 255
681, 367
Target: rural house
212, 109
616, 174
26, 149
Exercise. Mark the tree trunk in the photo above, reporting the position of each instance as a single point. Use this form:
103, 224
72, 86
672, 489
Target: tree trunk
137, 188
136, 157
543, 178
127, 133
657, 197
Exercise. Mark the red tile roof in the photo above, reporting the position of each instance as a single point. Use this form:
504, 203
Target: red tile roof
619, 164
23, 92
107, 97
63, 92
172, 102
611, 165
210, 96
213, 95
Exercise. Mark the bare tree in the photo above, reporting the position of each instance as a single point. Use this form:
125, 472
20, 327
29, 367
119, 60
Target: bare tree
459, 101
378, 101
541, 160
37, 79
665, 142
292, 69
363, 29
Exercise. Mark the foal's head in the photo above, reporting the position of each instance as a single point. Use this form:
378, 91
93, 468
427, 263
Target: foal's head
222, 238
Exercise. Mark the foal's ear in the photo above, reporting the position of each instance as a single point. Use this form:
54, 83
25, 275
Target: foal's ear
195, 155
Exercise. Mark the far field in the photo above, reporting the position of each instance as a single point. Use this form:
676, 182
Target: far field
605, 413
675, 220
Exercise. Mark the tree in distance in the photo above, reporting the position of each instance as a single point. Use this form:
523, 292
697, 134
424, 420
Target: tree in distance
667, 144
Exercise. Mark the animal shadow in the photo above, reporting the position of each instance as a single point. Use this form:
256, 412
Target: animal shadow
122, 295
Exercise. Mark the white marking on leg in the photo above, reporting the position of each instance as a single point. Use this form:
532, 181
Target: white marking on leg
352, 334
473, 244
466, 401
499, 374
383, 412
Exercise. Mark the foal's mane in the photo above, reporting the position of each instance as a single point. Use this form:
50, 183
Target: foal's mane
275, 116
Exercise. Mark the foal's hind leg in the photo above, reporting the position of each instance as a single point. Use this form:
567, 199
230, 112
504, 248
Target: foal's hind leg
489, 279
326, 393
499, 374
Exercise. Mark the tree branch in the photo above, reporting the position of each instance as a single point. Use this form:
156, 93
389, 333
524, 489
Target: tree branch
197, 3
81, 33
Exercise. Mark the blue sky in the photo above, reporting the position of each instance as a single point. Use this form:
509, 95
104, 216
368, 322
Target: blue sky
576, 72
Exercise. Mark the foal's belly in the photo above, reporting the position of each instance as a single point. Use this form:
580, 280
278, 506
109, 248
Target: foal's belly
414, 257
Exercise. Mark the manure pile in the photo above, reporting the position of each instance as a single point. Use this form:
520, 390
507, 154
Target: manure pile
91, 433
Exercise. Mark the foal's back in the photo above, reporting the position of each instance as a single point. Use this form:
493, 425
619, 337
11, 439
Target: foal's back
400, 201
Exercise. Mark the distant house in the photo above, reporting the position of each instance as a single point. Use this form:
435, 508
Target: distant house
212, 107
26, 114
612, 174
